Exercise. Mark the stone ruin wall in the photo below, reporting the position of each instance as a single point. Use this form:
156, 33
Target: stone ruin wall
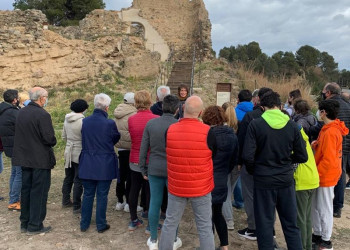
182, 23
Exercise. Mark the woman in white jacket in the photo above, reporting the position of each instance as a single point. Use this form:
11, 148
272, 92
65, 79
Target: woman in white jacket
72, 135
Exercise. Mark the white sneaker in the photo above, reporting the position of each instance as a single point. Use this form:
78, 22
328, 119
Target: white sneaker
139, 209
126, 208
177, 243
120, 206
230, 225
152, 245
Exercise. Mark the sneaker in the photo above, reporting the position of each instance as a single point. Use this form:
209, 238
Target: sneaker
325, 245
139, 209
177, 243
247, 233
230, 225
347, 186
148, 229
133, 225
316, 241
15, 206
105, 229
126, 208
152, 244
144, 215
43, 230
120, 206
337, 213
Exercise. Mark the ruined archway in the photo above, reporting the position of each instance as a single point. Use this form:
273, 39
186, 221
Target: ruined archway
137, 29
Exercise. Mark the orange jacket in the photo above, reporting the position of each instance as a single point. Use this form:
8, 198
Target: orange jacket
328, 152
190, 165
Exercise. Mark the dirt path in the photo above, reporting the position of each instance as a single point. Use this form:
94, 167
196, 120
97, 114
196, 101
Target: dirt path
66, 233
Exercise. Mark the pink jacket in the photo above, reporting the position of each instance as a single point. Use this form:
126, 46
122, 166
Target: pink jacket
137, 124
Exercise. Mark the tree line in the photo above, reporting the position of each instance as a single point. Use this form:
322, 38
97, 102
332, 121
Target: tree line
314, 66
61, 12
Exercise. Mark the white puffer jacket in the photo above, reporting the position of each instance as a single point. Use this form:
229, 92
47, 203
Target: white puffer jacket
122, 113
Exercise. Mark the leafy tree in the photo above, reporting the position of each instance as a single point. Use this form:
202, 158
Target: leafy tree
253, 50
307, 56
329, 66
60, 11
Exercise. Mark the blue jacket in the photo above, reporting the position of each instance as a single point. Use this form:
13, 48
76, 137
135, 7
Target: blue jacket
98, 160
242, 108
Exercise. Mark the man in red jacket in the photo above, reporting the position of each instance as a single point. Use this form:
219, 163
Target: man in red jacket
190, 146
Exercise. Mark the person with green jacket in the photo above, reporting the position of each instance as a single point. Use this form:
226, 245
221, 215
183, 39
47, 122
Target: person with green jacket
306, 181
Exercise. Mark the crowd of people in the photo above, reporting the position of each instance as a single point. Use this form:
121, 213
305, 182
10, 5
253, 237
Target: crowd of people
258, 154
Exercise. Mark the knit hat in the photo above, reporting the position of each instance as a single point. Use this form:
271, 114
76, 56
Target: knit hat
129, 98
79, 105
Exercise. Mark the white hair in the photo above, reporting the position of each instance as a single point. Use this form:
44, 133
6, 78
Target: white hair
162, 92
102, 101
36, 93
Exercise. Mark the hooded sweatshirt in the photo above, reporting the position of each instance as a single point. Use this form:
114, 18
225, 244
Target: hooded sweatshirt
328, 152
306, 175
8, 116
242, 108
72, 135
122, 113
272, 144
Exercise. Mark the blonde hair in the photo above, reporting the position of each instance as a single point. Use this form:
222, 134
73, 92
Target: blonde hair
23, 96
231, 117
142, 100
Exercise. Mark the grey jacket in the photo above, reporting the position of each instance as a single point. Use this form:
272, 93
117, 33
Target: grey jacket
153, 140
122, 113
72, 135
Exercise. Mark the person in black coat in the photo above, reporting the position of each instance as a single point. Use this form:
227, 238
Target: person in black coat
8, 114
33, 150
224, 160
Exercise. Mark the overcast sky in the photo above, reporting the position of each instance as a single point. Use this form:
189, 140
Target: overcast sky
275, 24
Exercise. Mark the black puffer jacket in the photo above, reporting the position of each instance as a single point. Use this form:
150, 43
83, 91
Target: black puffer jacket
8, 115
306, 121
344, 115
224, 160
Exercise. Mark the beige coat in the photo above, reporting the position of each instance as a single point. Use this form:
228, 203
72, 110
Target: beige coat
72, 135
122, 114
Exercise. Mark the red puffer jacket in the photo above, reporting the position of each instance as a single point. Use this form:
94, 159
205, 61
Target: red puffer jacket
190, 165
137, 124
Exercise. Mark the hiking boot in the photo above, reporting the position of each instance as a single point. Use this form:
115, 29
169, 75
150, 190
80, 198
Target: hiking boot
247, 233
152, 244
337, 213
120, 206
133, 225
15, 206
148, 228
177, 243
43, 230
325, 245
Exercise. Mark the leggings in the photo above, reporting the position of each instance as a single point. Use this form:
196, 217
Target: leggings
220, 224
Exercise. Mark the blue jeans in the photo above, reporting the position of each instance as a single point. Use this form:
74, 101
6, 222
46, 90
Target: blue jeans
237, 193
1, 163
15, 184
201, 207
338, 201
101, 188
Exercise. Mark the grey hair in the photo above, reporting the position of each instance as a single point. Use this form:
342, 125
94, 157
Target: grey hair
102, 101
162, 92
36, 93
333, 88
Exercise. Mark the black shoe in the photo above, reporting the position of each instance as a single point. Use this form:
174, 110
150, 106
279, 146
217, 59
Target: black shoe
337, 213
83, 230
247, 233
23, 230
326, 245
105, 229
69, 204
43, 230
77, 211
316, 241
1, 198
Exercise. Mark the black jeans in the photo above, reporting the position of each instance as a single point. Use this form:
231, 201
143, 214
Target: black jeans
123, 187
35, 188
220, 224
266, 201
72, 177
339, 189
137, 182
